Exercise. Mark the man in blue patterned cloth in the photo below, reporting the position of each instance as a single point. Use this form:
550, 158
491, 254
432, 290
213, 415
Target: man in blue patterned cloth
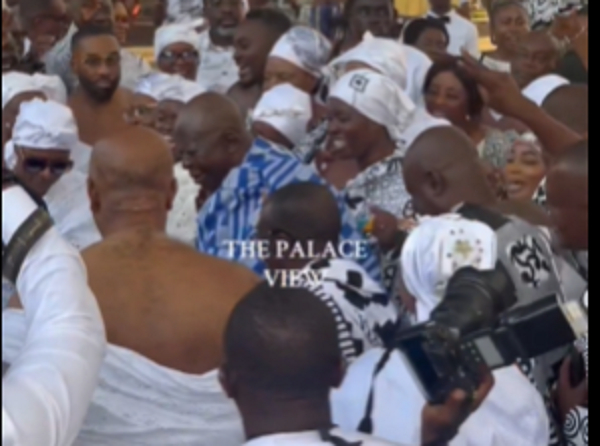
236, 173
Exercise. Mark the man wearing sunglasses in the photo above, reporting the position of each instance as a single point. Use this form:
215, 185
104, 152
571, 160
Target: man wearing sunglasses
39, 154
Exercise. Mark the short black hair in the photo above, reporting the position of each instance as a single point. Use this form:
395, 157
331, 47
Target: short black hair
282, 341
306, 210
90, 31
498, 5
272, 19
475, 103
416, 27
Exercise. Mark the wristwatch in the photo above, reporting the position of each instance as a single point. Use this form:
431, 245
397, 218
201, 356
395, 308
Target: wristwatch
28, 234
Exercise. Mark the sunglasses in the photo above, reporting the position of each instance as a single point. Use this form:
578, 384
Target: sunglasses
185, 56
37, 166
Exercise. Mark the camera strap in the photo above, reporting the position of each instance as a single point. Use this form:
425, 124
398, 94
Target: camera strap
366, 424
14, 254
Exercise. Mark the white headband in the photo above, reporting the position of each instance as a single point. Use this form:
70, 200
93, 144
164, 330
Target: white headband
42, 125
384, 55
378, 98
176, 33
539, 90
15, 83
305, 48
162, 87
436, 249
287, 109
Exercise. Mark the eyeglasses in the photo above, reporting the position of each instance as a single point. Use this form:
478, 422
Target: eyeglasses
37, 166
172, 57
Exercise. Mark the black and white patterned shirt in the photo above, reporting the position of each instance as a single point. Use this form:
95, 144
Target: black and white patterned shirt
364, 315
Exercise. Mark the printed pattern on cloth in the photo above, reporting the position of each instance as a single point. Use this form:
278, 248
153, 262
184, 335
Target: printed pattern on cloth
364, 315
528, 258
231, 212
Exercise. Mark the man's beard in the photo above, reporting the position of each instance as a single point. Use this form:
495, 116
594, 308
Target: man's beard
98, 94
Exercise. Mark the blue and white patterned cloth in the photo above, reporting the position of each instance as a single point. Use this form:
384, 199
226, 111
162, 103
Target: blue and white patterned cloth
231, 213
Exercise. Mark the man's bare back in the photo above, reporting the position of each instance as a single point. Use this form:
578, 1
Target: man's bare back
164, 300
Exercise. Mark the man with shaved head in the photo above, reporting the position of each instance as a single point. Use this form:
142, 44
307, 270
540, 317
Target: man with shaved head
236, 172
443, 174
165, 306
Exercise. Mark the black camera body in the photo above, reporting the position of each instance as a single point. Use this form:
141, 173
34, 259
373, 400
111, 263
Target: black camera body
476, 329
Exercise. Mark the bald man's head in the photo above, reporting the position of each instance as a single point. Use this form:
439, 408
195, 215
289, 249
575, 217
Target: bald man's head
567, 187
537, 55
442, 169
300, 212
131, 173
570, 106
211, 138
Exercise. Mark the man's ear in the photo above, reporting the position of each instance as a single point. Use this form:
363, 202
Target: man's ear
227, 382
93, 195
231, 140
435, 183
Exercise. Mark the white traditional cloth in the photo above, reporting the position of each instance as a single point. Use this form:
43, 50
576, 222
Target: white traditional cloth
421, 122
167, 35
140, 403
418, 64
538, 90
15, 83
513, 413
54, 372
184, 11
463, 33
162, 87
287, 109
42, 125
133, 68
378, 98
305, 48
314, 438
365, 316
181, 221
217, 71
69, 206
386, 56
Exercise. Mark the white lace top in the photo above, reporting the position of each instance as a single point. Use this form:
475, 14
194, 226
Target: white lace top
181, 221
217, 70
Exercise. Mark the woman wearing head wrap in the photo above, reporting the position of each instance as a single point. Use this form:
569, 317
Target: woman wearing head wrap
525, 168
298, 58
512, 414
368, 114
282, 115
18, 88
44, 137
176, 50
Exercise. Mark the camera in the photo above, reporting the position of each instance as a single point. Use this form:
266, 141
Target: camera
477, 328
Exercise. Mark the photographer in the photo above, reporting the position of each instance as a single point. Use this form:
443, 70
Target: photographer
46, 391
513, 414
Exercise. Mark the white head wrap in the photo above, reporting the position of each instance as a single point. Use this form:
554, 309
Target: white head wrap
436, 249
378, 98
42, 125
15, 83
422, 121
384, 55
305, 48
176, 33
286, 109
542, 87
162, 86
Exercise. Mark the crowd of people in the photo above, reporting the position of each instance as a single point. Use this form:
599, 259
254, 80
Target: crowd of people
150, 314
